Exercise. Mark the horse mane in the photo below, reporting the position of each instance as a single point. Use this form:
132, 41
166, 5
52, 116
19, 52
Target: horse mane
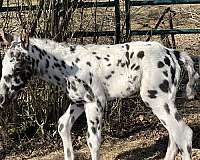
54, 48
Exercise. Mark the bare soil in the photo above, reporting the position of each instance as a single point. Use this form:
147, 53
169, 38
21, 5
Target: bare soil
148, 144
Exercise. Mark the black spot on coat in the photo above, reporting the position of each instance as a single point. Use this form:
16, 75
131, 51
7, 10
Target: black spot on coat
55, 58
97, 57
47, 63
57, 65
77, 60
37, 62
160, 64
123, 64
177, 116
167, 61
132, 66
140, 54
61, 126
165, 73
72, 48
166, 106
173, 72
177, 54
132, 53
168, 52
71, 111
88, 63
127, 46
91, 75
164, 86
56, 78
63, 64
99, 104
189, 148
119, 62
137, 68
97, 120
106, 59
128, 59
40, 55
92, 122
94, 131
90, 97
108, 76
152, 93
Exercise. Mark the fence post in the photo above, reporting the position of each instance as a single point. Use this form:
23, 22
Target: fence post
127, 18
117, 22
1, 3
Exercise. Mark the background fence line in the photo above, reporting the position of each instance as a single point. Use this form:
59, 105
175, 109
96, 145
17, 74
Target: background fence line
82, 4
129, 3
116, 5
38, 108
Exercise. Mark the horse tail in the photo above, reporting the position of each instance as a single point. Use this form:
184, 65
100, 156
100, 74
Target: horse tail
193, 75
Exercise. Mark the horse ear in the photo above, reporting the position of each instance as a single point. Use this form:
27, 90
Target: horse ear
24, 37
5, 39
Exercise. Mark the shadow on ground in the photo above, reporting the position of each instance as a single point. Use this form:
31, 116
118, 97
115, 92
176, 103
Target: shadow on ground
156, 151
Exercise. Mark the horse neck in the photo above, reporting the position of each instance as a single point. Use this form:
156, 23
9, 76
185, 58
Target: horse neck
48, 66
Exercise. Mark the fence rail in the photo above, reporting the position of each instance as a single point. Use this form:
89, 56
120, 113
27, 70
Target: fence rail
116, 5
80, 5
164, 31
162, 2
129, 3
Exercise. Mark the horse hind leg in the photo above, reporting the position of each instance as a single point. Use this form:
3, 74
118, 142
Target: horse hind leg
179, 133
171, 149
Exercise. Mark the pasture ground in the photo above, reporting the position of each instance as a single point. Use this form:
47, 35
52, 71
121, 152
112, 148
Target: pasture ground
149, 142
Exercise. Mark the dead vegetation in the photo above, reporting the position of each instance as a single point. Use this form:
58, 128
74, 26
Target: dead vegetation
28, 126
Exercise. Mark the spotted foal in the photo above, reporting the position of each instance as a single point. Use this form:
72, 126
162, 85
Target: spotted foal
92, 75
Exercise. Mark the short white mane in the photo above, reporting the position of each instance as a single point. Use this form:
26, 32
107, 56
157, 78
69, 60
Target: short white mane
57, 49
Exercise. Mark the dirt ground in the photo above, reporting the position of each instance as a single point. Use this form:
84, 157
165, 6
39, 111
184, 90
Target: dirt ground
147, 144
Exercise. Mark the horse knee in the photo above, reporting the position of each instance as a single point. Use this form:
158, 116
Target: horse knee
63, 126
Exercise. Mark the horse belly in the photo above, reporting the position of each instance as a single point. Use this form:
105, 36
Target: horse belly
123, 86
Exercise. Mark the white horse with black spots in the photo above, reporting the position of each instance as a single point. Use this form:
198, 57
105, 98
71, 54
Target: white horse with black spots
92, 75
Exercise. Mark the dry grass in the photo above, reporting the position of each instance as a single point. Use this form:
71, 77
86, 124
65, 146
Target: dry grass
150, 142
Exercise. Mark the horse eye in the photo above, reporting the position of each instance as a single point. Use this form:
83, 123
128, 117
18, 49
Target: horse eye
17, 80
12, 60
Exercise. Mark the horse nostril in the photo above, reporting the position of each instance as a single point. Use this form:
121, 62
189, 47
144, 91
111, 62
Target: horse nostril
2, 99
